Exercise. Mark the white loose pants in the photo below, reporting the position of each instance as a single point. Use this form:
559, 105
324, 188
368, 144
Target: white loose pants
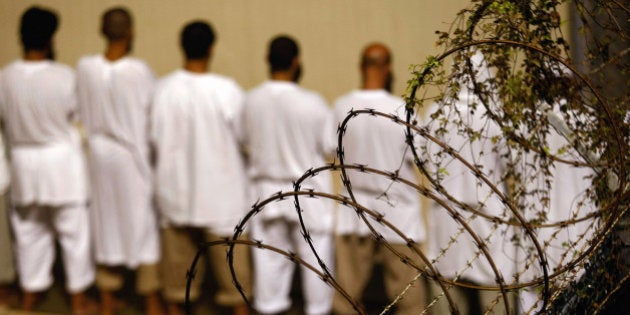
36, 228
273, 273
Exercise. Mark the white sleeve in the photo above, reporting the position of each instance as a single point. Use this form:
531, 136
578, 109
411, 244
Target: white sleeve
234, 112
73, 111
2, 100
327, 141
81, 93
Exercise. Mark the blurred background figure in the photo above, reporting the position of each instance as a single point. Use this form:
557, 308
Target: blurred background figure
464, 192
49, 183
286, 134
200, 178
114, 92
379, 143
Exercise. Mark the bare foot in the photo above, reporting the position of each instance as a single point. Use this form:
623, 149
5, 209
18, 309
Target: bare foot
241, 310
153, 304
107, 302
29, 300
81, 305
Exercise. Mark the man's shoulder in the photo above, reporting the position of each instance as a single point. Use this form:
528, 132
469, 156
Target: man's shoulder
307, 95
261, 91
287, 90
98, 60
380, 97
60, 69
136, 63
346, 97
180, 78
222, 81
89, 59
260, 88
47, 65
10, 67
311, 93
169, 80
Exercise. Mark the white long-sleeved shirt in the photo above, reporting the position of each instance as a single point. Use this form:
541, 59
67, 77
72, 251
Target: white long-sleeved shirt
38, 103
478, 140
114, 101
286, 132
200, 176
379, 143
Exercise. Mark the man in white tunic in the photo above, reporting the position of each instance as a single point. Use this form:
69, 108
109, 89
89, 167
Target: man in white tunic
49, 187
453, 251
200, 177
565, 188
114, 93
379, 143
285, 135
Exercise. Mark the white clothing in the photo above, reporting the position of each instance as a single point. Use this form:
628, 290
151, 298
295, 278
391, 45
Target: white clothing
5, 175
485, 151
49, 186
5, 178
462, 184
35, 230
285, 135
46, 160
200, 176
273, 273
567, 201
378, 142
114, 99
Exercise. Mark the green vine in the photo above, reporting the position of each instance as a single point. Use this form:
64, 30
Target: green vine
530, 63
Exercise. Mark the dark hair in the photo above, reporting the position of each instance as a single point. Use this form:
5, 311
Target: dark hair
282, 50
116, 23
37, 28
196, 39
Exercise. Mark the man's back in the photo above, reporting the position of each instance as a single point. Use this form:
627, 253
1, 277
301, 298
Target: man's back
38, 100
199, 167
114, 97
379, 143
374, 141
457, 121
37, 103
285, 130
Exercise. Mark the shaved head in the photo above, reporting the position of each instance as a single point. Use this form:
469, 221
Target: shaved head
375, 54
375, 67
116, 24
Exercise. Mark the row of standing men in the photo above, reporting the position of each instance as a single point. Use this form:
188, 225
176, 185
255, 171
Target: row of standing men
181, 160
180, 141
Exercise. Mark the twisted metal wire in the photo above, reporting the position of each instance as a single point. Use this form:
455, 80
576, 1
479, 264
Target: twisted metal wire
564, 271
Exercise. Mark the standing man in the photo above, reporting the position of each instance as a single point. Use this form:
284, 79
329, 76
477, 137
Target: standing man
48, 182
200, 178
114, 96
379, 143
285, 132
452, 249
